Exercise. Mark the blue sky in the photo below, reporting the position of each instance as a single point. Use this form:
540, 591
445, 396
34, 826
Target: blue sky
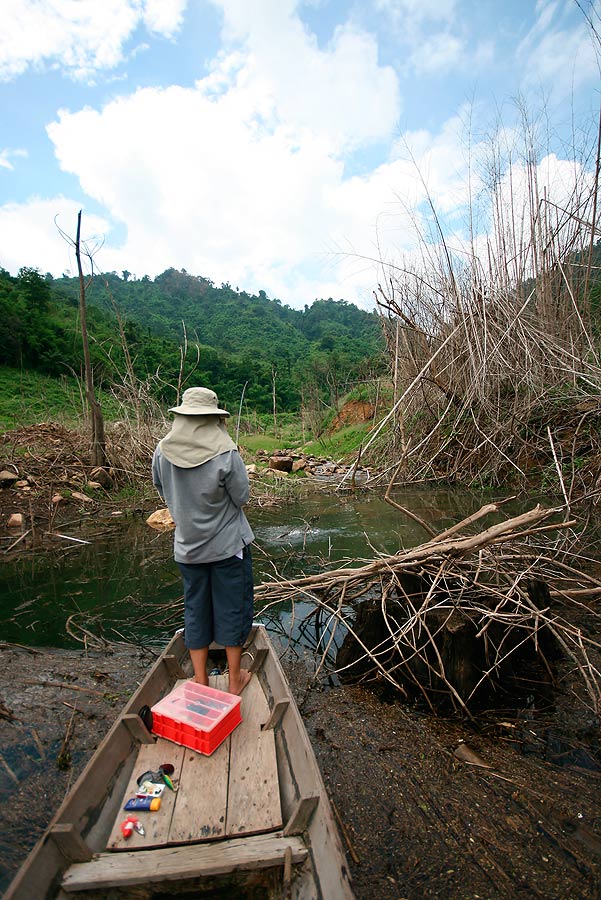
279, 145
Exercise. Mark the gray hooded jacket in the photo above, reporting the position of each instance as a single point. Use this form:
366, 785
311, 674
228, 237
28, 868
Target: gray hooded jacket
205, 503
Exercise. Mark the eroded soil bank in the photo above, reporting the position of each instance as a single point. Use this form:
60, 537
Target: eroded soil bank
416, 821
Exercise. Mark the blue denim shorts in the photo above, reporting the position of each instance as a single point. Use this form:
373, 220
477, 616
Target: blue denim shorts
218, 601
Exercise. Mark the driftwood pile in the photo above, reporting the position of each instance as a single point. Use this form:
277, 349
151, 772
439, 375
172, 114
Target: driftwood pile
453, 617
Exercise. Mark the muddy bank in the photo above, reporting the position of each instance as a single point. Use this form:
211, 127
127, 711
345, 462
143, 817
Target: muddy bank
55, 708
417, 821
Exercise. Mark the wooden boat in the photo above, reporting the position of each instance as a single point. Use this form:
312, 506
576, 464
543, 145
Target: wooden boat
252, 820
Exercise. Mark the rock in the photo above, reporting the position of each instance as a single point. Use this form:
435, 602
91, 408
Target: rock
161, 520
251, 469
83, 498
7, 478
102, 476
280, 463
299, 464
15, 521
23, 483
58, 498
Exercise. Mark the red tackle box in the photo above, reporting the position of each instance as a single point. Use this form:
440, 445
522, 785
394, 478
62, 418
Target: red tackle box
196, 716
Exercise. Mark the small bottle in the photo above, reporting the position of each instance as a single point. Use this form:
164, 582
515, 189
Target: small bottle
143, 804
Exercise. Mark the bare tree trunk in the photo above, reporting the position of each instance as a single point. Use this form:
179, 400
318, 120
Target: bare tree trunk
96, 418
273, 377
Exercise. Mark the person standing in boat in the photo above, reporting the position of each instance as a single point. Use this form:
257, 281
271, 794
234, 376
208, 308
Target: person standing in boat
198, 471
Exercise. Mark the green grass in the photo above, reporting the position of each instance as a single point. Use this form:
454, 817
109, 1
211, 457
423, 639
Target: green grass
254, 442
341, 443
27, 398
288, 435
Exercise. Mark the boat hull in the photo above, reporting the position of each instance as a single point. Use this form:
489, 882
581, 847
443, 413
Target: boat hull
302, 860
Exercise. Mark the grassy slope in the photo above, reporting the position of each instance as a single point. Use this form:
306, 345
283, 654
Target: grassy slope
27, 397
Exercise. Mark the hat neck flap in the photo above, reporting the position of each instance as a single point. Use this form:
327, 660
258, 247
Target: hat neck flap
194, 440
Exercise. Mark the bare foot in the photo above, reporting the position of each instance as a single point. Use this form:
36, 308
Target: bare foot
236, 687
201, 679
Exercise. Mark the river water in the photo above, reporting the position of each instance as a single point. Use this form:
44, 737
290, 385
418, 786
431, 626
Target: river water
126, 569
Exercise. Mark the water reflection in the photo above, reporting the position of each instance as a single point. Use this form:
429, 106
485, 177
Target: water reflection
127, 570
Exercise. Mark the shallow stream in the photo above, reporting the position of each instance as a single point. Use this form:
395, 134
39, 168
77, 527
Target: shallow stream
125, 568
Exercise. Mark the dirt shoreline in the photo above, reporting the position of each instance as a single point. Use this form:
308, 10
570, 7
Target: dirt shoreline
416, 821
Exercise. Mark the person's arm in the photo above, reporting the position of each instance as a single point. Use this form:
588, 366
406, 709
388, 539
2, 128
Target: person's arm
156, 472
236, 480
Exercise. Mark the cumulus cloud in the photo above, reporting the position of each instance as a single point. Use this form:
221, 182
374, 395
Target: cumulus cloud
341, 92
236, 177
163, 16
29, 234
81, 37
198, 185
246, 176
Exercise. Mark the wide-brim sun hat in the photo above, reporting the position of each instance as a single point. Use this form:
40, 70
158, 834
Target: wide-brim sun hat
199, 401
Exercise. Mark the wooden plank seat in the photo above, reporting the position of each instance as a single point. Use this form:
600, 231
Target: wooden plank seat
234, 791
172, 864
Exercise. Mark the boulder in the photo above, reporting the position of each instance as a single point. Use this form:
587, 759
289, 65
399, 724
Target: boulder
281, 463
160, 520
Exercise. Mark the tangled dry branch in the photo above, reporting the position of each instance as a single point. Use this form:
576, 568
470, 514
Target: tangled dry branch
493, 341
504, 588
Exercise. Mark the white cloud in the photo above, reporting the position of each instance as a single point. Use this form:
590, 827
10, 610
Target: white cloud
29, 234
437, 36
80, 36
5, 155
198, 185
341, 92
163, 16
242, 177
413, 13
558, 58
559, 183
236, 177
437, 53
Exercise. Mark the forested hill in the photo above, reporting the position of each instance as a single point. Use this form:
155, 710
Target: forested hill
318, 351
